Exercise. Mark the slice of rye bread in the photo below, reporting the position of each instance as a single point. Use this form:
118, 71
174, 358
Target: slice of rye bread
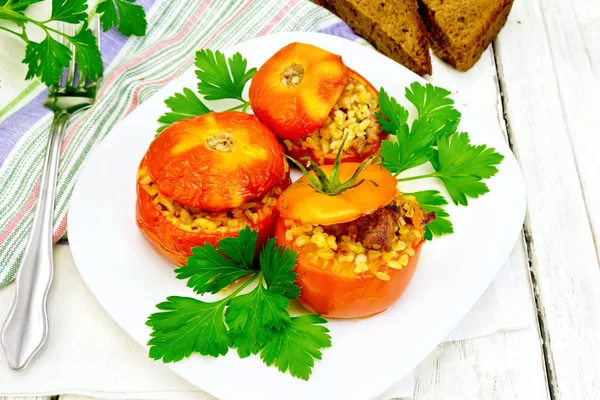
394, 27
460, 30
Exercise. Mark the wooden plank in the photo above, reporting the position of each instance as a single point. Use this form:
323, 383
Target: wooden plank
563, 255
575, 59
587, 13
498, 366
502, 365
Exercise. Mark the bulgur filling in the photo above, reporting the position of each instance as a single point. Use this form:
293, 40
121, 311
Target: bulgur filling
193, 219
346, 255
353, 114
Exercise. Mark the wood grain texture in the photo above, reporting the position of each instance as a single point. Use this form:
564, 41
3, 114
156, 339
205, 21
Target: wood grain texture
548, 139
505, 365
578, 81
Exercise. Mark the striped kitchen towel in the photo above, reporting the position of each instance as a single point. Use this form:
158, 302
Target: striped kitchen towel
135, 69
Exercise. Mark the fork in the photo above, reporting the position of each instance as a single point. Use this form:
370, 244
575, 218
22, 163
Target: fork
26, 327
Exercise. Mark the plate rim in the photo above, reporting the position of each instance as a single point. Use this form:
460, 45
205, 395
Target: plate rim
238, 47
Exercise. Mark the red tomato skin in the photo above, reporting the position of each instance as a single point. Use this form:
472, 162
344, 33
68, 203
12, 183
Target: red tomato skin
335, 296
294, 112
298, 153
184, 167
176, 244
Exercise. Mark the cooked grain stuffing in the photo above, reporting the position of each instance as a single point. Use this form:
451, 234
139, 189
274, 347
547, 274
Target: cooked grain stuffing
193, 219
386, 236
353, 114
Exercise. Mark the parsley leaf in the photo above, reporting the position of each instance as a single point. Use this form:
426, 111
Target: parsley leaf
435, 103
277, 264
71, 11
19, 5
433, 138
253, 322
130, 19
220, 78
462, 166
186, 326
47, 49
183, 105
396, 116
297, 345
240, 249
412, 149
432, 201
253, 316
87, 54
48, 58
209, 271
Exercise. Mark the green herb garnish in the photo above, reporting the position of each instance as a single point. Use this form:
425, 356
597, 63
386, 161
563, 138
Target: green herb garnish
433, 201
129, 17
252, 322
183, 105
47, 59
433, 138
218, 79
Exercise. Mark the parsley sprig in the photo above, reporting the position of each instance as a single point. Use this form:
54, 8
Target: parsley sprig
252, 322
433, 138
434, 201
47, 59
219, 78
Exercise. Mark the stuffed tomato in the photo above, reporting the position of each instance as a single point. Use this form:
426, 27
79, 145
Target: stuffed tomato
311, 100
205, 178
358, 249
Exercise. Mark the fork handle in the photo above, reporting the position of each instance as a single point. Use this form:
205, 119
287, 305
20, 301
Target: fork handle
26, 326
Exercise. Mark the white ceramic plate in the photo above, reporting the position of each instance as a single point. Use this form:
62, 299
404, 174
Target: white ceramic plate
368, 356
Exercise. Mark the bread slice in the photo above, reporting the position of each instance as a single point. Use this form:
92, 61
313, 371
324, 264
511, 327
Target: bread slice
460, 30
392, 26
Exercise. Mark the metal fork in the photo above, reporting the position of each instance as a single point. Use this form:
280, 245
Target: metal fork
26, 327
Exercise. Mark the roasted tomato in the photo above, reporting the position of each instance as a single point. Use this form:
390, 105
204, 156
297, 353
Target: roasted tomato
294, 90
205, 178
310, 100
216, 161
353, 114
355, 259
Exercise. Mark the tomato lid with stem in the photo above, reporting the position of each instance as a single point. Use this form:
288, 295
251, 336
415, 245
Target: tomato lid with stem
337, 193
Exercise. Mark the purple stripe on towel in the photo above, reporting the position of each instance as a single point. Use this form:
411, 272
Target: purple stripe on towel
14, 127
340, 29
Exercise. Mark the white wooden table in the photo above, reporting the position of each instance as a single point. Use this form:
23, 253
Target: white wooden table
543, 76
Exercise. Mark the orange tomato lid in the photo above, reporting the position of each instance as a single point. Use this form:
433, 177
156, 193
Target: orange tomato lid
294, 90
216, 161
304, 204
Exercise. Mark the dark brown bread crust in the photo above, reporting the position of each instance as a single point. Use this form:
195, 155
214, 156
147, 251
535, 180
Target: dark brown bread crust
460, 30
394, 27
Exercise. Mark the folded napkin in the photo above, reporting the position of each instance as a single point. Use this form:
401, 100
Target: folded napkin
87, 353
135, 69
